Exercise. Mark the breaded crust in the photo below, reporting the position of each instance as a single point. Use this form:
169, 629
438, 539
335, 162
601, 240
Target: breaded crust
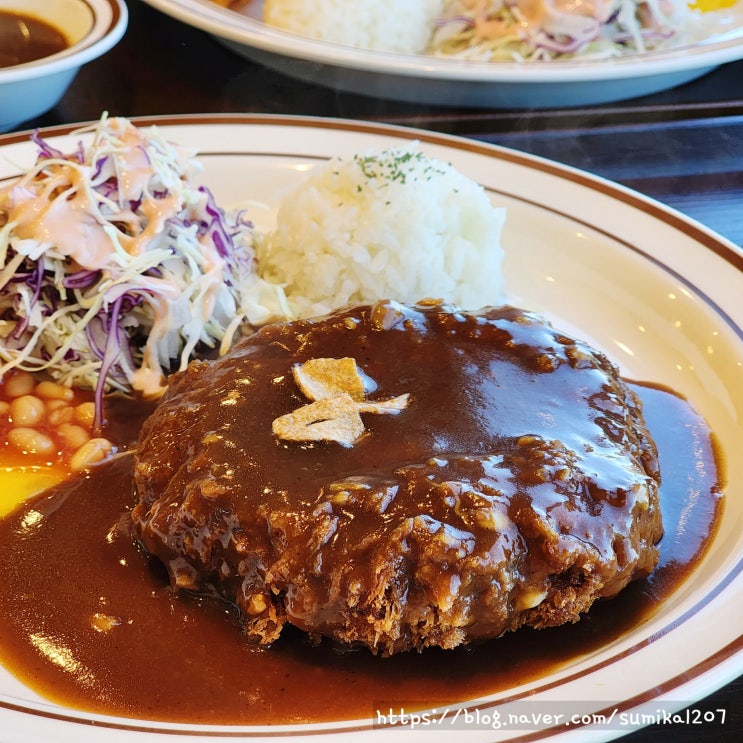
514, 482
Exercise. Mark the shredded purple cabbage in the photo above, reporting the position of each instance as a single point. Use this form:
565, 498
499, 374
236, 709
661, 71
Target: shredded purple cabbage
222, 239
99, 164
34, 280
111, 352
46, 151
81, 279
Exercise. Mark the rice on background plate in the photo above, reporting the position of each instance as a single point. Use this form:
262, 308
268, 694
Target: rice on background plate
399, 26
392, 224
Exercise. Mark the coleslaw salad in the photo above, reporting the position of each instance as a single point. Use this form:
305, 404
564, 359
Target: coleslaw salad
115, 267
546, 30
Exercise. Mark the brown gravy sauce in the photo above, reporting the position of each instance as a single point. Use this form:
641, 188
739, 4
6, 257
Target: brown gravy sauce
89, 623
24, 38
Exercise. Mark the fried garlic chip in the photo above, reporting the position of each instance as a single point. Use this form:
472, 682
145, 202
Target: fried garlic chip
321, 378
330, 419
336, 388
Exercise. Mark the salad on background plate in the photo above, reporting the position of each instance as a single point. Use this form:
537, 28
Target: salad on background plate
553, 30
581, 53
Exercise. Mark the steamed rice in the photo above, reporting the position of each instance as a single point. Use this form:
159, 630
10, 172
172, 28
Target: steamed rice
402, 26
389, 224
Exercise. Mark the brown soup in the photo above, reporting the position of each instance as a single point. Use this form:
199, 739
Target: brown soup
89, 622
24, 38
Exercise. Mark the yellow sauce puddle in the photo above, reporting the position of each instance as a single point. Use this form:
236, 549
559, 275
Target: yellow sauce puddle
19, 483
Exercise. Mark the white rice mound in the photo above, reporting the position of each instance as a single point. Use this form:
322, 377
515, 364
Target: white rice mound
385, 224
400, 26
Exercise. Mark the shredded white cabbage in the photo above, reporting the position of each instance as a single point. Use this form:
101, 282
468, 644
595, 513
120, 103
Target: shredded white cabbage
115, 267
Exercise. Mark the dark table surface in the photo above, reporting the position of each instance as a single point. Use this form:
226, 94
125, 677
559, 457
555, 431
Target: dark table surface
683, 147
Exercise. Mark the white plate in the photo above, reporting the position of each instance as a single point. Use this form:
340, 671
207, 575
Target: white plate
656, 291
453, 82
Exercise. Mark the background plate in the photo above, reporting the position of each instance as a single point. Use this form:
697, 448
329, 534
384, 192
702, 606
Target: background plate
458, 83
659, 293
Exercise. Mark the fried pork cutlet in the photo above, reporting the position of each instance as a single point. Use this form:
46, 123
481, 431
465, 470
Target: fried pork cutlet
399, 477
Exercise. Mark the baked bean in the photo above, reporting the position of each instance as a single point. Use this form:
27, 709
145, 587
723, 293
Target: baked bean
60, 414
73, 436
19, 383
31, 441
90, 453
54, 391
43, 421
85, 413
27, 410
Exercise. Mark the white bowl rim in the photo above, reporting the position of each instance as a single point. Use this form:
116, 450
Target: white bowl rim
101, 37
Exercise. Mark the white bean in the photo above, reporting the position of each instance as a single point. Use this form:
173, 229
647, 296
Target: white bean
19, 383
85, 413
90, 453
53, 391
27, 410
30, 441
59, 412
73, 436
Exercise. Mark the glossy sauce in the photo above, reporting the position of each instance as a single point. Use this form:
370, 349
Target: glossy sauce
515, 486
24, 38
88, 622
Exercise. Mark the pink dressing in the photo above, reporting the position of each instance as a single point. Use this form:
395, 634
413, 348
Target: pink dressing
65, 213
67, 225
